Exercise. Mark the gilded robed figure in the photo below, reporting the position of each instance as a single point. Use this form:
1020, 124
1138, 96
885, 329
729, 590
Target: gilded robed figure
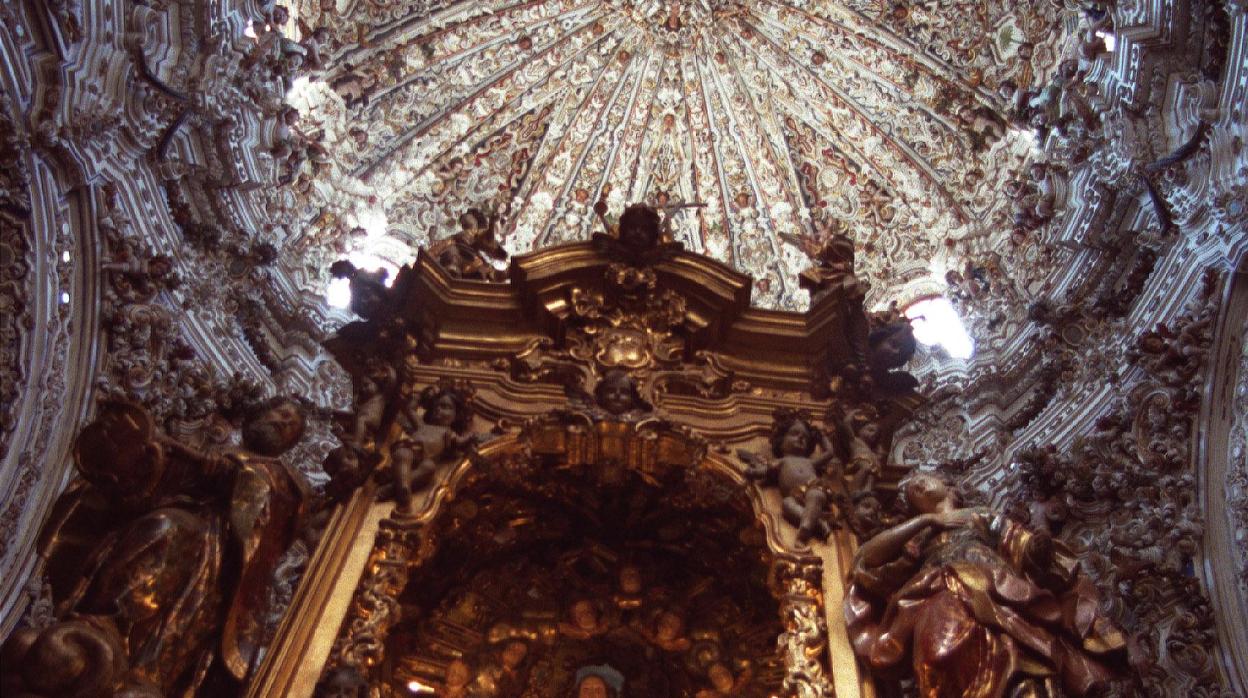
977, 605
174, 591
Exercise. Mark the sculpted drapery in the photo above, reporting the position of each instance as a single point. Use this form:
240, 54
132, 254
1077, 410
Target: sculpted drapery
980, 606
177, 584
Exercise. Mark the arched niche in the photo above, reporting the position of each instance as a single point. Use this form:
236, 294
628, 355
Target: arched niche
528, 543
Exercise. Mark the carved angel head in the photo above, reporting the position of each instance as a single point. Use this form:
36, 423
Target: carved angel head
617, 393
272, 428
792, 434
639, 227
447, 406
924, 491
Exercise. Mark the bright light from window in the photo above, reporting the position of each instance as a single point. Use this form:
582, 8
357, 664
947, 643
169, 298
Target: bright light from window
338, 292
372, 220
64, 297
371, 262
1111, 41
936, 322
65, 256
250, 31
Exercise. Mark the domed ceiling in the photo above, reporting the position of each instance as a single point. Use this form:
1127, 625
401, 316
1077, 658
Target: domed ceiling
783, 118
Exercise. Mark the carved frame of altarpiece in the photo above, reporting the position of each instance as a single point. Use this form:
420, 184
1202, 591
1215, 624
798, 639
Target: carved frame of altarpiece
713, 369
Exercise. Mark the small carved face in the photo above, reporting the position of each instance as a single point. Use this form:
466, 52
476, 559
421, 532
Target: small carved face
584, 615
273, 431
1152, 343
867, 509
669, 626
342, 462
344, 683
457, 674
592, 687
472, 221
869, 432
514, 653
616, 394
630, 579
797, 440
925, 492
721, 677
892, 347
639, 227
159, 266
442, 412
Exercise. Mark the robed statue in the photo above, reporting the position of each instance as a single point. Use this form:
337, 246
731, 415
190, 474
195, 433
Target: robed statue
977, 604
161, 559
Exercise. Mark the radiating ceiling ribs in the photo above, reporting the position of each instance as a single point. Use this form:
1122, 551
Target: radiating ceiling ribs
924, 169
633, 112
364, 171
857, 26
599, 120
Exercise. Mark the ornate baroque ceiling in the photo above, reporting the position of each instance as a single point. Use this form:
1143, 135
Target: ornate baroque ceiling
781, 117
151, 249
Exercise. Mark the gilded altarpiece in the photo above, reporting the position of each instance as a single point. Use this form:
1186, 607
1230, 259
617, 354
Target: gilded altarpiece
598, 473
605, 474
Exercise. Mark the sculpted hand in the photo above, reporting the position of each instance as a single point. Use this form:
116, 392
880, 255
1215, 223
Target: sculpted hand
823, 441
957, 518
755, 468
1040, 550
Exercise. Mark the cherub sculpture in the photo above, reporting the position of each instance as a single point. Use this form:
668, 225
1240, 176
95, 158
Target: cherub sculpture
372, 389
628, 597
617, 395
344, 682
807, 482
616, 398
436, 436
585, 620
469, 253
861, 436
890, 346
667, 631
724, 683
638, 238
505, 674
456, 679
640, 227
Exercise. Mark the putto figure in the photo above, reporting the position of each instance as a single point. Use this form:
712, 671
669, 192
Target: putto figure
372, 390
979, 605
436, 436
807, 482
471, 253
638, 237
